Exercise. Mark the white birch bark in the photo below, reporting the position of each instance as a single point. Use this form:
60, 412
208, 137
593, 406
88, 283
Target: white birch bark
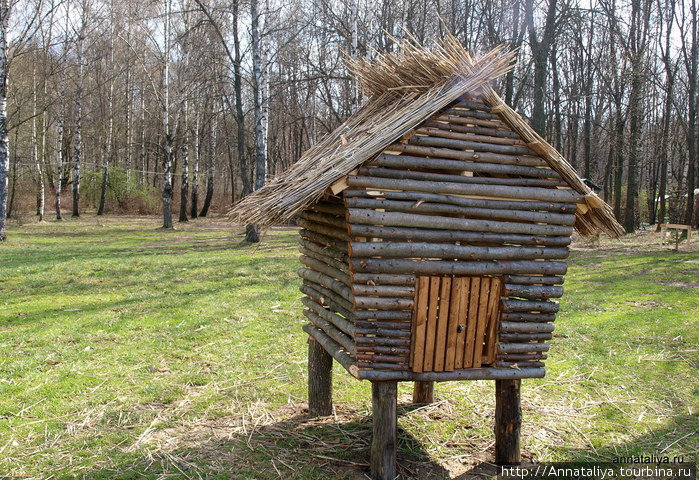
167, 138
4, 141
77, 148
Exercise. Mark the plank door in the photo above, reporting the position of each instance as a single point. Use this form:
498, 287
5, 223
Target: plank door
454, 323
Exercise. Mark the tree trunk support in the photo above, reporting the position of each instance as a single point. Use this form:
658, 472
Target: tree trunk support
423, 393
508, 421
383, 445
320, 389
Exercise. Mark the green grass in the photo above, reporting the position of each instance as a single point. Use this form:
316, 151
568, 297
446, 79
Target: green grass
131, 352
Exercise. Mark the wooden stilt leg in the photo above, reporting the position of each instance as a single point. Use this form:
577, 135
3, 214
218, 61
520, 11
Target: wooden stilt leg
384, 397
320, 388
508, 421
423, 392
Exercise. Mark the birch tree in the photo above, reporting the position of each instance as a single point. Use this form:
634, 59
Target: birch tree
4, 140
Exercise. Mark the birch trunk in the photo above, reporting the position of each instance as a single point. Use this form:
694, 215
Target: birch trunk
167, 138
194, 212
77, 152
258, 89
59, 166
40, 192
4, 141
184, 185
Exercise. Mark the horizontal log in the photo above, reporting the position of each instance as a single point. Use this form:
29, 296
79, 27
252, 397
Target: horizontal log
335, 209
381, 279
429, 235
372, 358
437, 267
447, 130
383, 332
567, 219
533, 292
381, 303
390, 324
382, 315
525, 327
435, 152
462, 252
520, 364
479, 166
529, 306
333, 349
523, 337
530, 280
400, 173
341, 323
329, 251
383, 349
332, 220
326, 281
397, 342
473, 103
325, 269
469, 145
328, 298
382, 366
466, 374
521, 357
527, 317
524, 193
463, 201
467, 112
383, 290
488, 134
323, 229
366, 216
324, 241
523, 347
325, 258
331, 331
462, 120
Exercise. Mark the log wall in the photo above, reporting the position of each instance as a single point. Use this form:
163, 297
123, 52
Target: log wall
460, 196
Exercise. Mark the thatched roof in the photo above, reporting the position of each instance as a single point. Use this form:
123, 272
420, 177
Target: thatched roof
405, 88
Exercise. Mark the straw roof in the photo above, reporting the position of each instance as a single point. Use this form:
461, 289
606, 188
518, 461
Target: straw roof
405, 88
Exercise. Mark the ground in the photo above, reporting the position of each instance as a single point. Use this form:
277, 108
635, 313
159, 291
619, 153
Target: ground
128, 351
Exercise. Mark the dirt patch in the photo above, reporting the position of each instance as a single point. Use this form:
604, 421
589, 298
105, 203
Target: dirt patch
593, 282
643, 304
680, 284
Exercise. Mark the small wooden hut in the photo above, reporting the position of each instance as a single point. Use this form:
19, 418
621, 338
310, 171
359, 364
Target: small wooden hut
435, 225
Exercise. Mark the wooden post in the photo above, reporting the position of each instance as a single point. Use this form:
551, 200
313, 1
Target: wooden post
508, 421
384, 396
320, 388
423, 392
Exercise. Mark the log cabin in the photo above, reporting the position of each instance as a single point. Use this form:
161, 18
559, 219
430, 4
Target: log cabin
434, 231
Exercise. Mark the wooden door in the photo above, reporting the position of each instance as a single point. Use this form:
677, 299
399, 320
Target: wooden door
454, 323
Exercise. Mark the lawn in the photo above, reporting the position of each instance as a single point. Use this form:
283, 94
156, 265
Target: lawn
127, 351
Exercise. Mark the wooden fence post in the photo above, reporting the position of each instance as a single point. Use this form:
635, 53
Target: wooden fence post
423, 392
508, 421
384, 396
320, 387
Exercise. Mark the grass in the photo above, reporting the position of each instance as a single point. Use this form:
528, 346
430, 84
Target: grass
129, 352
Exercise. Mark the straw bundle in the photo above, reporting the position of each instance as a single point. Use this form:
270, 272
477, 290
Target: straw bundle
404, 88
